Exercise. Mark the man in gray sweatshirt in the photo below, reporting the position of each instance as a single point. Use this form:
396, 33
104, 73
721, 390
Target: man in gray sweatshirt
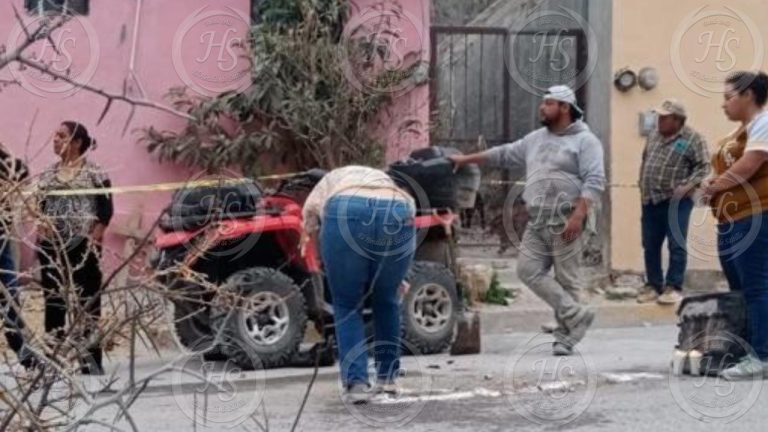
565, 179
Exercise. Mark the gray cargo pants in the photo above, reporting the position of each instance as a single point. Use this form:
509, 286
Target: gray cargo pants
542, 249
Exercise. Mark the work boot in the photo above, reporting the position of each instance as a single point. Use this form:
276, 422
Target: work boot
670, 297
389, 388
648, 294
357, 393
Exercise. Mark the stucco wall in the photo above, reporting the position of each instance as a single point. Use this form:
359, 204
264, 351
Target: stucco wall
679, 39
178, 42
532, 63
598, 102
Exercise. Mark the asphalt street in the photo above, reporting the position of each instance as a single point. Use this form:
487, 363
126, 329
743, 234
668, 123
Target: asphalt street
619, 380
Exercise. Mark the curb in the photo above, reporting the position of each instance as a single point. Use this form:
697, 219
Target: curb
510, 320
619, 315
302, 376
191, 386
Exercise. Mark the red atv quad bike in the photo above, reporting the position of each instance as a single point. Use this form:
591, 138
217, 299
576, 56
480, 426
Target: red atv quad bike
245, 242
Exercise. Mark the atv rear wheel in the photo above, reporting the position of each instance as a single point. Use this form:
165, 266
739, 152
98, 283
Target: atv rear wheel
267, 325
192, 322
429, 309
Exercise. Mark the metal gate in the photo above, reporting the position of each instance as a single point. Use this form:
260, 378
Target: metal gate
486, 86
477, 82
457, 53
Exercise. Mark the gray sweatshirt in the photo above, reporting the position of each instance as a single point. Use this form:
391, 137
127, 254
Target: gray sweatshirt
559, 167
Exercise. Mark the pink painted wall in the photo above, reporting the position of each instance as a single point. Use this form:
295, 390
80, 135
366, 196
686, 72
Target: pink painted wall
178, 43
406, 35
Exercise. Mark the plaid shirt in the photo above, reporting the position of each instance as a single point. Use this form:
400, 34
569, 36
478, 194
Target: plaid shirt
671, 162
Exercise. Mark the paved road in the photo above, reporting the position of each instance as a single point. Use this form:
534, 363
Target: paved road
618, 382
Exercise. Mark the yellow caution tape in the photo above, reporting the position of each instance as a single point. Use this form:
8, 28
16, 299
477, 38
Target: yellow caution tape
164, 187
161, 187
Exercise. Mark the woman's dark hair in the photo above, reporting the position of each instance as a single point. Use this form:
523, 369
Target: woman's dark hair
79, 132
757, 82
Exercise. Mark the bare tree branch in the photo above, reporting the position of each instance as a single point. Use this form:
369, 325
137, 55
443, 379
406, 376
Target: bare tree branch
109, 96
44, 30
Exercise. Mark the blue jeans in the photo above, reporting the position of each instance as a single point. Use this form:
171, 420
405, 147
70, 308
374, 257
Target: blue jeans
666, 220
367, 246
743, 249
13, 322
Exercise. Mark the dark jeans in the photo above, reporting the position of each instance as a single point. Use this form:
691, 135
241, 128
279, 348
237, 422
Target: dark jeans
666, 220
743, 248
14, 324
80, 262
367, 245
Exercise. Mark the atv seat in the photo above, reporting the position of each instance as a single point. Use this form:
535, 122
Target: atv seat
194, 208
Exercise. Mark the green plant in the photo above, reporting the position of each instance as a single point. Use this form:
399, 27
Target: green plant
496, 294
301, 111
286, 14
